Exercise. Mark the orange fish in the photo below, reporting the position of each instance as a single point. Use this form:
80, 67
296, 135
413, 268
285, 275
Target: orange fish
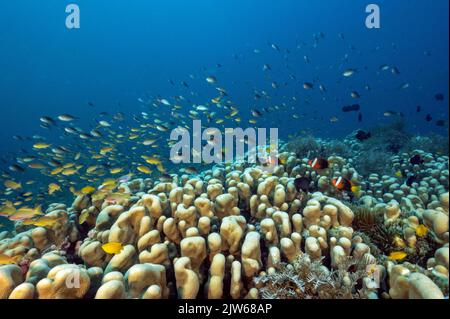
342, 184
25, 213
319, 163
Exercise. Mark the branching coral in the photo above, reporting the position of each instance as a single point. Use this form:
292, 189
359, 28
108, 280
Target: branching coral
310, 279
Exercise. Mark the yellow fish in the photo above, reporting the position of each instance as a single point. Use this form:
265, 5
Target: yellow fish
153, 160
116, 170
7, 260
216, 100
421, 230
112, 248
161, 168
12, 184
7, 210
41, 146
399, 242
144, 169
133, 137
53, 188
83, 217
69, 165
356, 189
87, 190
108, 184
44, 221
398, 174
91, 169
100, 195
105, 150
116, 197
397, 255
56, 171
69, 171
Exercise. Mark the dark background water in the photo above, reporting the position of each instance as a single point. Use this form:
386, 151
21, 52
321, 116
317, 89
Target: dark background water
127, 48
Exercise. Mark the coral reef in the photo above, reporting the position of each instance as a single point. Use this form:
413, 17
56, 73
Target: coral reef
237, 231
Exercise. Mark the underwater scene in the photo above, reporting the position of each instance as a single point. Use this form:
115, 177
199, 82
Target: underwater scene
224, 149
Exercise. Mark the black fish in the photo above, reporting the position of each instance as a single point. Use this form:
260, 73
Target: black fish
418, 108
440, 123
302, 184
308, 85
428, 118
256, 113
351, 108
410, 180
439, 97
54, 163
91, 104
416, 159
166, 178
16, 168
47, 120
362, 135
360, 117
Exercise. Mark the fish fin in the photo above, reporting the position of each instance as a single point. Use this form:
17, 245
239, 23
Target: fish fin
38, 209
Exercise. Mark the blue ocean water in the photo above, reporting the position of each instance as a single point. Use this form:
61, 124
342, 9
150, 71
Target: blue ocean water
125, 50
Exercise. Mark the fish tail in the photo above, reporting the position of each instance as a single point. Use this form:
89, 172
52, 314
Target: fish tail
38, 210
